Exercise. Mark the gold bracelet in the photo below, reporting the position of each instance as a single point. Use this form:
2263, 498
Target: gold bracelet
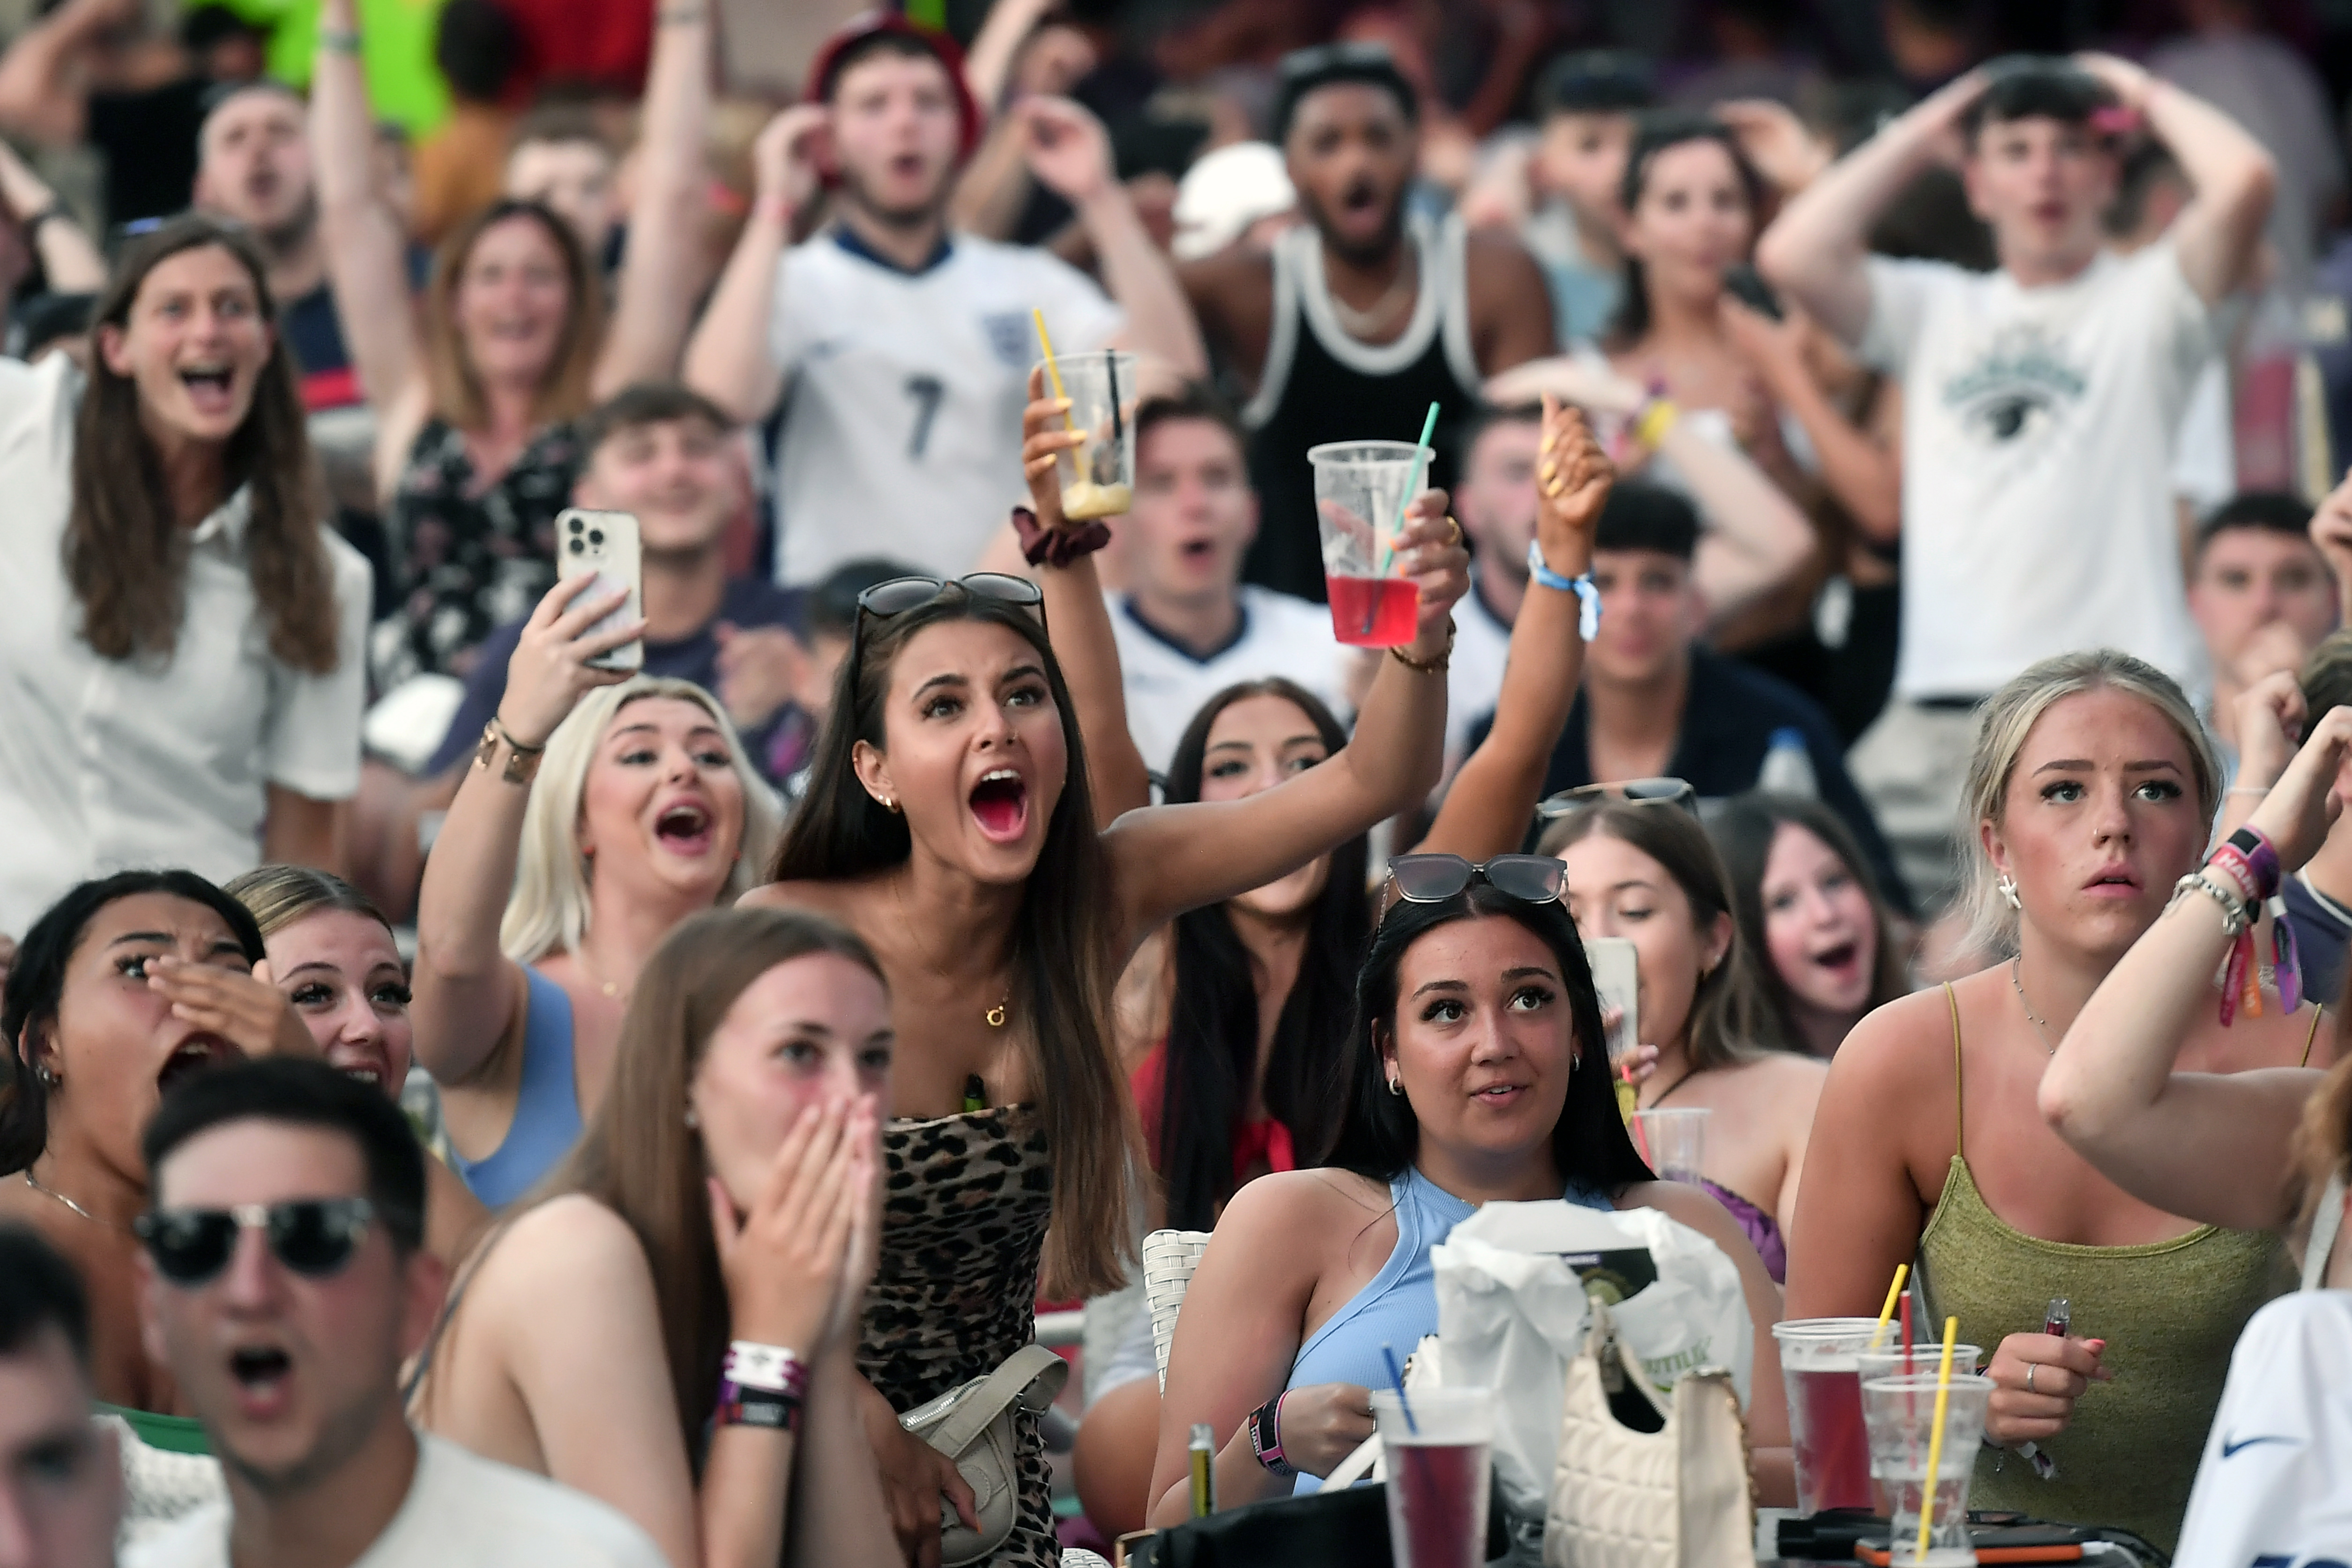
1656, 418
522, 762
1435, 666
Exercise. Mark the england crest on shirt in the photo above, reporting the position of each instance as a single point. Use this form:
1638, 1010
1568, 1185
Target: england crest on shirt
1008, 333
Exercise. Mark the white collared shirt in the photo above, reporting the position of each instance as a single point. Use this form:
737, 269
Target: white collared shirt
106, 765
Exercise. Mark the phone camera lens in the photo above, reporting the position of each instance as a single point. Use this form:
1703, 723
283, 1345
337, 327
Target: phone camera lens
577, 524
597, 537
578, 548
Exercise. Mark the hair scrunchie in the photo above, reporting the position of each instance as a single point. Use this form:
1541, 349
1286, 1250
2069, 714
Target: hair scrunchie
1042, 545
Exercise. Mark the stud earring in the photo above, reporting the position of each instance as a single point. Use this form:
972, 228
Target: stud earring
691, 1119
2007, 887
47, 1075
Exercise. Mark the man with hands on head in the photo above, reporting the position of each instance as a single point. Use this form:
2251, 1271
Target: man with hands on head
2042, 402
905, 347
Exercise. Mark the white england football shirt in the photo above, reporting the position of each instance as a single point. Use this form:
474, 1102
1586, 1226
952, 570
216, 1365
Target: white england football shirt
903, 396
2039, 428
1166, 685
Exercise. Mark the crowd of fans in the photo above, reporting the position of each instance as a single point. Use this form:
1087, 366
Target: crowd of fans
466, 1025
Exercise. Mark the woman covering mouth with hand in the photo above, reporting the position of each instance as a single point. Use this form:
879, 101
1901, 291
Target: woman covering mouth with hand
601, 811
950, 821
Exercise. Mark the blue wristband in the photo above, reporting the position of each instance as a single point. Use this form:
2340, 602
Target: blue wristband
1588, 616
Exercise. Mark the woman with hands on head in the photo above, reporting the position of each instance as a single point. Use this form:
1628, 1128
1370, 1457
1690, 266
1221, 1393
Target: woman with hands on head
332, 953
951, 821
668, 1325
1478, 1073
600, 810
126, 985
2092, 787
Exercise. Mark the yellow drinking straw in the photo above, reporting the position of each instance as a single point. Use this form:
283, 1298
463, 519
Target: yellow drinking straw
1894, 1294
1038, 316
1936, 1437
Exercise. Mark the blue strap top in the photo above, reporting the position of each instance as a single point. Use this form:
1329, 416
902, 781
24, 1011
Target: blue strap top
547, 1102
1398, 1306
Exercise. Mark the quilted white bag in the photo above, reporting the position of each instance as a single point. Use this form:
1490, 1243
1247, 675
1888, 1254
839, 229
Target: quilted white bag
1675, 1498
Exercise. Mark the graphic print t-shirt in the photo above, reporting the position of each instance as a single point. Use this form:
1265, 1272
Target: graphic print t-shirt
2038, 434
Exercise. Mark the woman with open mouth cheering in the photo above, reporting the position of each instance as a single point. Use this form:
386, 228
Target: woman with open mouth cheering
950, 821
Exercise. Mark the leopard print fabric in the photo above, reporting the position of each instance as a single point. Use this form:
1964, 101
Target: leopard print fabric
965, 1203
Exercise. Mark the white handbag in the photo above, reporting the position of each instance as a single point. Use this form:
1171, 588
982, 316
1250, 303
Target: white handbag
1675, 1498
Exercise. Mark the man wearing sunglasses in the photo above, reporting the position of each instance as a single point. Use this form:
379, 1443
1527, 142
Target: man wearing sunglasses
61, 1482
283, 1282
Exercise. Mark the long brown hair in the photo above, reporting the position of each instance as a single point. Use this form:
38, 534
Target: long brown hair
1063, 964
640, 1159
126, 554
1728, 1019
449, 375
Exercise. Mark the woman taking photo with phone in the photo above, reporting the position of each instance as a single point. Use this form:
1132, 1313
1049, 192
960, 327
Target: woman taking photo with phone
1478, 1073
950, 821
600, 811
1641, 868
2092, 787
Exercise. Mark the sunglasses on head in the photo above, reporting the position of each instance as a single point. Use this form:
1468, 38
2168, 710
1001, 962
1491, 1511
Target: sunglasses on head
1434, 878
1632, 791
900, 594
314, 1237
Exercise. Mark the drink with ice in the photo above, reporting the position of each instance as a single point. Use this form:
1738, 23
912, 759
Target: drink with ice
1439, 1460
1818, 1370
1373, 611
1900, 1414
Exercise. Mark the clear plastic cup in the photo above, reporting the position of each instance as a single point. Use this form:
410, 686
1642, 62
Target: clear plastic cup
1361, 490
1098, 474
1891, 1360
1819, 1369
1439, 1469
1900, 1416
1676, 1139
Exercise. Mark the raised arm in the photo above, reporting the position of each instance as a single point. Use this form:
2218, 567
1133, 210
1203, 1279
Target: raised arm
659, 285
2331, 534
1170, 859
1863, 469
1069, 152
729, 359
1493, 796
69, 258
1079, 621
42, 94
1815, 250
365, 246
988, 66
2207, 1146
467, 988
2219, 232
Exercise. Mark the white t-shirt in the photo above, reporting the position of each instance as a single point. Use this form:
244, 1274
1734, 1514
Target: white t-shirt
904, 392
1279, 635
1474, 675
2270, 1487
106, 765
2038, 437
461, 1512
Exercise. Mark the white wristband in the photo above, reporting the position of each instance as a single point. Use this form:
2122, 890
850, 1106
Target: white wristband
768, 1366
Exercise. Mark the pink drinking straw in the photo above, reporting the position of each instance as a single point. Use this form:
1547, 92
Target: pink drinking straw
1640, 1139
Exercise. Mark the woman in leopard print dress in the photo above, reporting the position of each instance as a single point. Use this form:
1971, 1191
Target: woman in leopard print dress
949, 821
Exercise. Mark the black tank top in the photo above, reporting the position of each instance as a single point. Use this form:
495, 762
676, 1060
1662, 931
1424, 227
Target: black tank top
1321, 384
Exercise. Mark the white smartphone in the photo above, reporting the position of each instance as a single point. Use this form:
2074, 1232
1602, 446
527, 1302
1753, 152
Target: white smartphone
1617, 977
604, 544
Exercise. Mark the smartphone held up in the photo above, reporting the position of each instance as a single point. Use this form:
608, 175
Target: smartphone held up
604, 544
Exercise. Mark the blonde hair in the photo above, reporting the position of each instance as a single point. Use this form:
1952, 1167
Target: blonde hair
548, 911
279, 896
2323, 1145
2003, 723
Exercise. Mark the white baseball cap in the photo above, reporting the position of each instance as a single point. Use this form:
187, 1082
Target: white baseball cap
1225, 193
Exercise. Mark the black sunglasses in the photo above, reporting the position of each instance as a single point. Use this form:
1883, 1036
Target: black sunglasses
1434, 878
900, 594
1632, 791
315, 1237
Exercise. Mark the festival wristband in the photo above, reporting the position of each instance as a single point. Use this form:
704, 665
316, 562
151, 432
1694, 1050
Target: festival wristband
769, 1408
768, 1367
2262, 858
1265, 1436
1588, 614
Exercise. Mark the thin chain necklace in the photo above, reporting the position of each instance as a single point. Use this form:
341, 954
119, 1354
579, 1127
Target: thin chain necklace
580, 962
35, 1183
994, 1017
1359, 324
2038, 1027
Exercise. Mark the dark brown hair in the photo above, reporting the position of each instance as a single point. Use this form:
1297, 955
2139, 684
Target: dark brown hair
1062, 963
457, 391
640, 1159
1728, 1019
126, 554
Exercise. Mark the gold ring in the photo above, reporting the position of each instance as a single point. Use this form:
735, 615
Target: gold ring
1457, 531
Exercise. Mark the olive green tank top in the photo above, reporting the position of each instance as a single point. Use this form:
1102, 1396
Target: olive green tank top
2169, 1310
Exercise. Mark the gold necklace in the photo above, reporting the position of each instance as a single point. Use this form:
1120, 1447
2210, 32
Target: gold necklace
2038, 1027
994, 1017
579, 961
35, 1183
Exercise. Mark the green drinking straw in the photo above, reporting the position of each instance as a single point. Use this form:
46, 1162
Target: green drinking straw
1412, 487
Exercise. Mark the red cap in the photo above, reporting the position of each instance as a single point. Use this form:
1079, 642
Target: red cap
946, 50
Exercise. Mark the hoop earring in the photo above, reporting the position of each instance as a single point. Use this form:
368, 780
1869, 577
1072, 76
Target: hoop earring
2007, 888
1396, 1085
